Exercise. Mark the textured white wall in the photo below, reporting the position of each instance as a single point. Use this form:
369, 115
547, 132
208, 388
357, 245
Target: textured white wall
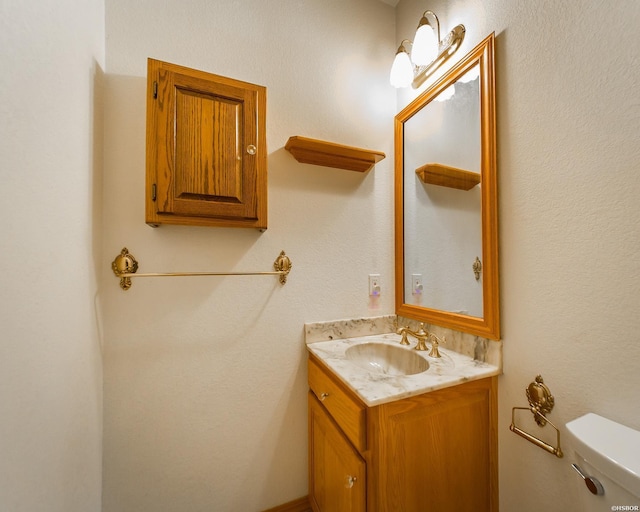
568, 121
52, 56
205, 378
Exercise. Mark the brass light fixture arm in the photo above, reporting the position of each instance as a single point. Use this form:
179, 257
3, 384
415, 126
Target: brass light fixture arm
426, 22
402, 48
125, 266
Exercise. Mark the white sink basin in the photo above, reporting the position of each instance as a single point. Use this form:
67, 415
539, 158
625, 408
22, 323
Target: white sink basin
386, 359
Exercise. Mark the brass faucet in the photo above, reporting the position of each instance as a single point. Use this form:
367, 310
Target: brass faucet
421, 335
435, 341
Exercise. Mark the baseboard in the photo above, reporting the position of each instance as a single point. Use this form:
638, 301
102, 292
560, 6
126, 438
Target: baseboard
299, 505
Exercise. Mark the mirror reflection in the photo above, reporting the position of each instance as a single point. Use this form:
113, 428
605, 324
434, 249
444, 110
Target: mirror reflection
446, 200
442, 225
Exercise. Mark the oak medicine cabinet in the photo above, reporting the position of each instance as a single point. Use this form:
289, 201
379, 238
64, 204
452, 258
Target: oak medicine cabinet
206, 149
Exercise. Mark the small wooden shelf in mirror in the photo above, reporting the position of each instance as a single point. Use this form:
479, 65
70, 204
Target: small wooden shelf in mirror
447, 176
330, 154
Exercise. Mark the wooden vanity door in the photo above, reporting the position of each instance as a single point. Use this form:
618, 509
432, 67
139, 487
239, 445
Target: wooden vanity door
206, 154
337, 480
437, 451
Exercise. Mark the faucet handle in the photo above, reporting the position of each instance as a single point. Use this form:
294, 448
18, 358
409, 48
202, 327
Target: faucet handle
403, 332
435, 341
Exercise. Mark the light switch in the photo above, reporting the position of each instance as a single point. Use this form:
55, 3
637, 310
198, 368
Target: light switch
374, 285
416, 284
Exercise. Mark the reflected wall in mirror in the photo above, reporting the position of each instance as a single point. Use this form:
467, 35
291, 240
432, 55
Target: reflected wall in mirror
446, 200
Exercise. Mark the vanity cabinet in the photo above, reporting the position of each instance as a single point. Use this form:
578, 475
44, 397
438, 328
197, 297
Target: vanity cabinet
432, 452
206, 161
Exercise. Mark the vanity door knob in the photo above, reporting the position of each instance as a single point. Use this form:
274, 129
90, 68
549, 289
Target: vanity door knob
251, 149
594, 486
350, 481
323, 396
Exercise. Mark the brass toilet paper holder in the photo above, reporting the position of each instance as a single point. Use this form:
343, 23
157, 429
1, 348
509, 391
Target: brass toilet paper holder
541, 402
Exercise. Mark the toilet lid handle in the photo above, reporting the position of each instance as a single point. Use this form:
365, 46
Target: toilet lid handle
594, 486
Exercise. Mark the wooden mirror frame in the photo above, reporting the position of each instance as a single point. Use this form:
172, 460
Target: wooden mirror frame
488, 325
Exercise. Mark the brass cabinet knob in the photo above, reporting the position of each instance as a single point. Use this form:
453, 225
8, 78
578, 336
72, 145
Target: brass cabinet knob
350, 481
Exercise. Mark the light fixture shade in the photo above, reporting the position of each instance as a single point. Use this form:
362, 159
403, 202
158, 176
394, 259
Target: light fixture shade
402, 70
425, 45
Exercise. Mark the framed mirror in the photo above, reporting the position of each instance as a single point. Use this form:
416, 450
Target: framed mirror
446, 201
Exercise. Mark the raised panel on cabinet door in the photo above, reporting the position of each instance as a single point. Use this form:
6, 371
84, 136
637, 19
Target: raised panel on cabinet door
337, 477
208, 168
433, 452
208, 147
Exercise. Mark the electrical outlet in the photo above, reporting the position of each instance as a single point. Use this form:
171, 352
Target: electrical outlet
416, 284
374, 285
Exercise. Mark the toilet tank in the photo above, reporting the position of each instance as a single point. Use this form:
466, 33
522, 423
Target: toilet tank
610, 453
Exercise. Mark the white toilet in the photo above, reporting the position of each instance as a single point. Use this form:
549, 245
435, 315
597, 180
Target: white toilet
606, 457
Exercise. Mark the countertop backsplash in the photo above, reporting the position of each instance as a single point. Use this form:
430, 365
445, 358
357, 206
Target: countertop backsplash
476, 347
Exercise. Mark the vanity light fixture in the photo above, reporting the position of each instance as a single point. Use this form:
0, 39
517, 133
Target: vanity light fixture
428, 52
402, 68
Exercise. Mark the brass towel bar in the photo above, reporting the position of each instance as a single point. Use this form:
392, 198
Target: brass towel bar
541, 401
125, 266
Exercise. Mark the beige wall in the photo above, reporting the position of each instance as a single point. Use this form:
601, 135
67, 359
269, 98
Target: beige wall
51, 57
568, 124
205, 379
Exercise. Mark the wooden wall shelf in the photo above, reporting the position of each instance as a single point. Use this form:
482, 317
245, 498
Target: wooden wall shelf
329, 154
446, 176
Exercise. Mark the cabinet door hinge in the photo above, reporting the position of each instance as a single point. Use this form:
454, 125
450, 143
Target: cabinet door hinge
155, 90
154, 191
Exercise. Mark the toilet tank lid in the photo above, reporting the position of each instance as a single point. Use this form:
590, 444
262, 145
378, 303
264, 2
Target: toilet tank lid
610, 447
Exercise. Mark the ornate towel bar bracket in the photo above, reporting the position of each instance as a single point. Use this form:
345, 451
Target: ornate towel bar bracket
541, 402
125, 266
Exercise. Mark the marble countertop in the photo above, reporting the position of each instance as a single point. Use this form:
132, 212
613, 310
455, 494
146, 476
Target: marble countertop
377, 388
